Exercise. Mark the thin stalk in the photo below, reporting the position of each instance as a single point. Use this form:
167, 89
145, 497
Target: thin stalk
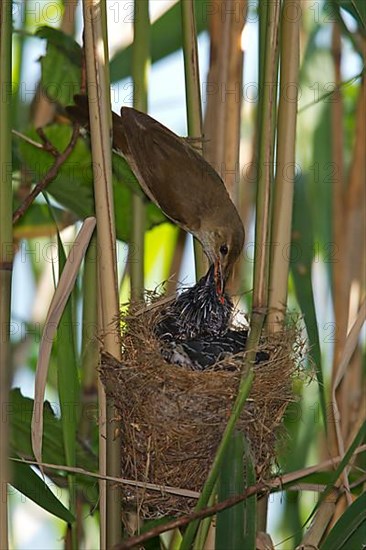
102, 442
191, 69
268, 97
6, 249
285, 168
19, 42
68, 392
100, 126
340, 288
232, 78
263, 16
347, 376
206, 526
274, 121
250, 505
140, 71
89, 342
348, 275
224, 99
268, 76
319, 525
231, 523
193, 96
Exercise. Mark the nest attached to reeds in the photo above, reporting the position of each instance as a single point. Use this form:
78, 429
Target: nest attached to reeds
173, 417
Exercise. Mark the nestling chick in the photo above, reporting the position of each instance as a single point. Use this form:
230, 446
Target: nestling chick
196, 313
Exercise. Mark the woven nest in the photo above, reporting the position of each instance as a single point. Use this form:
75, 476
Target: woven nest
173, 417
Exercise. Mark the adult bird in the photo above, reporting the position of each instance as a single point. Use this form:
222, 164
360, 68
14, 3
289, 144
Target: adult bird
180, 182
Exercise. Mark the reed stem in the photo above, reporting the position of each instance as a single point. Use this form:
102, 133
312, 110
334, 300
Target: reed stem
6, 249
140, 71
95, 33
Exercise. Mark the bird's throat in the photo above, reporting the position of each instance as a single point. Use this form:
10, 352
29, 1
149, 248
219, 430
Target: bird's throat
219, 282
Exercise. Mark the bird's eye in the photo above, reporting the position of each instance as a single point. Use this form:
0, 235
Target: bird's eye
224, 249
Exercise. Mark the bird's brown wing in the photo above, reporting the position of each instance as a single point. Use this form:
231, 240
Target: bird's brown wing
171, 172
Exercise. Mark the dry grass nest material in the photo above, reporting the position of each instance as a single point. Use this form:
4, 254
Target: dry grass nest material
173, 417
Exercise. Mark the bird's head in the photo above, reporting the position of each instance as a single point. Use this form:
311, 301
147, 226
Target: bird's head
222, 246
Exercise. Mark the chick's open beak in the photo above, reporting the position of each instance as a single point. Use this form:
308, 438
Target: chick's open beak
219, 280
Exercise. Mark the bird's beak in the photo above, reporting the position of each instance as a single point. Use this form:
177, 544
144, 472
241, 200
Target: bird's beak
219, 280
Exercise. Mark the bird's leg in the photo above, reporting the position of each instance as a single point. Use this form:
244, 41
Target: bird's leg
196, 142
